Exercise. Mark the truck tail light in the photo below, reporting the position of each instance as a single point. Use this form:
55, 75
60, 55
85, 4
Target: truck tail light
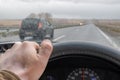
40, 25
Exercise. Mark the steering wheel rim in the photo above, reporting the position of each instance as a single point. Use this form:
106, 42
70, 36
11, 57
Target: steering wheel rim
101, 51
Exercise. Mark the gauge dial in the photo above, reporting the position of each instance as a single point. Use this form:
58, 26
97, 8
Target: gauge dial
83, 74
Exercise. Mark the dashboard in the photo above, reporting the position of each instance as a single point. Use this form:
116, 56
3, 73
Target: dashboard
83, 61
80, 61
76, 67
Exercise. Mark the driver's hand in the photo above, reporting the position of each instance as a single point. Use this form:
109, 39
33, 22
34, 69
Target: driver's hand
27, 59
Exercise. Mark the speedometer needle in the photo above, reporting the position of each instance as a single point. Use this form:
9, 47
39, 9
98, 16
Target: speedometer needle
82, 73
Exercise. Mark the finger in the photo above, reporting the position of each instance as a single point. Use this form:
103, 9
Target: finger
46, 48
16, 45
30, 45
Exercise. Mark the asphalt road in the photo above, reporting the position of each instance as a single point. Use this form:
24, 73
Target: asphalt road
87, 33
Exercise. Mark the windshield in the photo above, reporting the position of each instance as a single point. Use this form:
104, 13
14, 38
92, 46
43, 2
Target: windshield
95, 21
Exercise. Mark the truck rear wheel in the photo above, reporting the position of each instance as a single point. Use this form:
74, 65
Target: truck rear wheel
52, 34
22, 37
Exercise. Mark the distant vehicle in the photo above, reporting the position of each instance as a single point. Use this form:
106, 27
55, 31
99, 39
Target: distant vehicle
81, 24
36, 28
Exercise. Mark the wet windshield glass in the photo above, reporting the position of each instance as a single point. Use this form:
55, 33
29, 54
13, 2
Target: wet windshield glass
96, 21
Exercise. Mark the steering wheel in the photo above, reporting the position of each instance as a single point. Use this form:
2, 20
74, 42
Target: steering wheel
86, 49
81, 55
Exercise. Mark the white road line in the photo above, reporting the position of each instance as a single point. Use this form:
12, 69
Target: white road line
108, 38
60, 37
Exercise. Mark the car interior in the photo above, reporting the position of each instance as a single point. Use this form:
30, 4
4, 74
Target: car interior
85, 35
80, 61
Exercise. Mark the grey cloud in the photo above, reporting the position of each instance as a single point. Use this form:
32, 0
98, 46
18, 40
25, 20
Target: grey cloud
78, 1
35, 0
74, 1
30, 0
94, 1
19, 10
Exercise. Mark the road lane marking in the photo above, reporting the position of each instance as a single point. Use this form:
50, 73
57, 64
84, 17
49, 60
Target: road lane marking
60, 37
108, 38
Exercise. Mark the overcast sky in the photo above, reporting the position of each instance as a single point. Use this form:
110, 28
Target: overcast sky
103, 9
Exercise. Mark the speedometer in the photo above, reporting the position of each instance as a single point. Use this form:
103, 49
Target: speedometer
83, 74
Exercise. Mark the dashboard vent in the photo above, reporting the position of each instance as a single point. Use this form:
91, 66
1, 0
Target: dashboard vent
4, 47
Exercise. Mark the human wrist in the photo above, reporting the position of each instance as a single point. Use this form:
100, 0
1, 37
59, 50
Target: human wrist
21, 75
8, 75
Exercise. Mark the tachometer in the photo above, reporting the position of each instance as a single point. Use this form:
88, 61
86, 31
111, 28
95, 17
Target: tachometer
83, 74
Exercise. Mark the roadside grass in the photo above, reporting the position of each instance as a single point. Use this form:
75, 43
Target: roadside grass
57, 23
5, 34
111, 27
13, 33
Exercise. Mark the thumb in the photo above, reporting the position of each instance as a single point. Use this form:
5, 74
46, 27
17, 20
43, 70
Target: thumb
46, 49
